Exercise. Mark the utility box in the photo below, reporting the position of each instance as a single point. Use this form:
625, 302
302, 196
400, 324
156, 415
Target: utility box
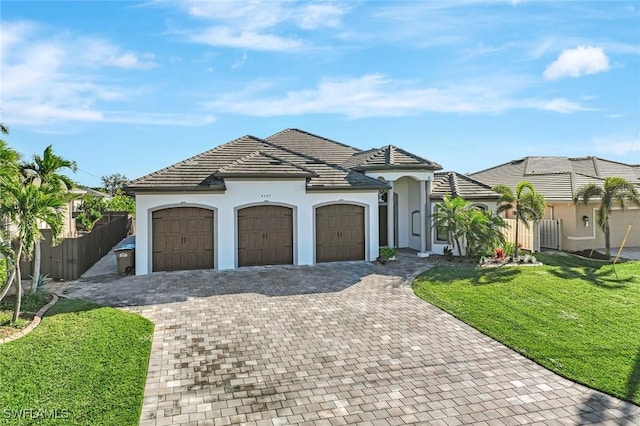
126, 257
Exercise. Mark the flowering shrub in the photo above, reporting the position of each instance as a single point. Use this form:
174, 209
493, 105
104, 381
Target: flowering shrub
499, 253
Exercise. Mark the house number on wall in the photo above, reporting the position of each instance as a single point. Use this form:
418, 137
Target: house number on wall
265, 196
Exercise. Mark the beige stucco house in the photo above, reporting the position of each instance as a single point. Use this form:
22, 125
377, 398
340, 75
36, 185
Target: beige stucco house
559, 179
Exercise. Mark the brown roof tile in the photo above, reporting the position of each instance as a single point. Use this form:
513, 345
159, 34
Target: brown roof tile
259, 163
389, 157
249, 156
456, 185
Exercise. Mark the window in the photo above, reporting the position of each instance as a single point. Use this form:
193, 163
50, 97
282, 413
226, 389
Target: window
415, 223
441, 232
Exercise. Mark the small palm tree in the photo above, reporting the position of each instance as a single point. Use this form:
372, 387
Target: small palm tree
449, 215
26, 206
46, 169
528, 204
614, 190
484, 231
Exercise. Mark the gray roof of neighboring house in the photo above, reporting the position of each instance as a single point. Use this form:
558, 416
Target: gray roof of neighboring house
557, 178
457, 185
389, 157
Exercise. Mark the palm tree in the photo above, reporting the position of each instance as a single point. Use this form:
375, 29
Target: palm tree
528, 204
9, 172
615, 190
26, 206
46, 170
449, 215
483, 231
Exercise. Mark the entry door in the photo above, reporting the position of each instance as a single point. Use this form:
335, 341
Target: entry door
340, 233
265, 236
182, 239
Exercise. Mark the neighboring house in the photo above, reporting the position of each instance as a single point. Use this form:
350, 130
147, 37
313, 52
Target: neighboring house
69, 229
73, 205
291, 198
559, 179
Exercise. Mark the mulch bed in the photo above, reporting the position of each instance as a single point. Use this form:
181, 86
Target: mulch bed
590, 254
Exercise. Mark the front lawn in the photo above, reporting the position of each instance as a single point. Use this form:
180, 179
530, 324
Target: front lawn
84, 364
31, 303
573, 316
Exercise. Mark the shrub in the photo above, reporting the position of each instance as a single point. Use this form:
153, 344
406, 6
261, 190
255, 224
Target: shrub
499, 253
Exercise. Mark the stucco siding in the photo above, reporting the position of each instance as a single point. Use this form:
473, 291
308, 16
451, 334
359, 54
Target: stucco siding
243, 193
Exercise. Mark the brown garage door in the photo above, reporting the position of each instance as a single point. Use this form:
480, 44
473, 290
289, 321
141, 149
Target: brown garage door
182, 239
265, 236
339, 233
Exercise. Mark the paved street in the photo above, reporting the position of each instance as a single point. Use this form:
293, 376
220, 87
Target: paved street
332, 344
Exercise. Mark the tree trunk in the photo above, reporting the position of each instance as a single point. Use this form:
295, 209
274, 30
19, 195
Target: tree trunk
37, 260
12, 276
607, 239
515, 249
16, 309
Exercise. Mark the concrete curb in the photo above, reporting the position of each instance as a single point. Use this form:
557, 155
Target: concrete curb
34, 323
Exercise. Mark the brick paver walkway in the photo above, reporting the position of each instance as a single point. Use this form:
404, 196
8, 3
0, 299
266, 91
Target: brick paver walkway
332, 344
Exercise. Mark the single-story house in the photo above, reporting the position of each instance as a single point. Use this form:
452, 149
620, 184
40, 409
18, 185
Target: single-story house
291, 198
559, 179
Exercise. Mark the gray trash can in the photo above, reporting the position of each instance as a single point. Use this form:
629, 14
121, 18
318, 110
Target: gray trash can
126, 257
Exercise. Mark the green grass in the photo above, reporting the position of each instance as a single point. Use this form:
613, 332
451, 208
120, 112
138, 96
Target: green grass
31, 303
84, 363
573, 316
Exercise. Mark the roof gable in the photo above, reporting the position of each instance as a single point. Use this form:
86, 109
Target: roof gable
389, 157
326, 150
456, 185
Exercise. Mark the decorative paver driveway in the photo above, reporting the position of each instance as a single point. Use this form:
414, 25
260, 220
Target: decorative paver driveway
332, 344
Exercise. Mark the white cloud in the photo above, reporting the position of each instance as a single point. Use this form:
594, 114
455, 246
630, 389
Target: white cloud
255, 25
226, 37
563, 106
314, 16
375, 95
578, 62
613, 144
50, 78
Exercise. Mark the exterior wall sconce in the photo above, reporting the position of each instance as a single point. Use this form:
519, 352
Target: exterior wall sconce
585, 221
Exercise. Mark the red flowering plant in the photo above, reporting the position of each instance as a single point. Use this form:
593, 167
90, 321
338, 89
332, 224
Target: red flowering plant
499, 253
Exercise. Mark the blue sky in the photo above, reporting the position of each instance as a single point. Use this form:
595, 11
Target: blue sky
130, 86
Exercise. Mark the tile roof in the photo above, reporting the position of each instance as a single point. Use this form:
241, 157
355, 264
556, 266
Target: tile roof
457, 185
389, 157
252, 156
557, 178
259, 163
325, 150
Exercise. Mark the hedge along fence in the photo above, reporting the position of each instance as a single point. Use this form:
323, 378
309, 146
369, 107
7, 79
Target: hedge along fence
73, 256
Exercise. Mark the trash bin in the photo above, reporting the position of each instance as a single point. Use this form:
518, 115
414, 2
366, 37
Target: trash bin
126, 257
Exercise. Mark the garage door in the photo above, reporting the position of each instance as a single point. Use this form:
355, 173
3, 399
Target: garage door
339, 233
619, 222
182, 239
265, 236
